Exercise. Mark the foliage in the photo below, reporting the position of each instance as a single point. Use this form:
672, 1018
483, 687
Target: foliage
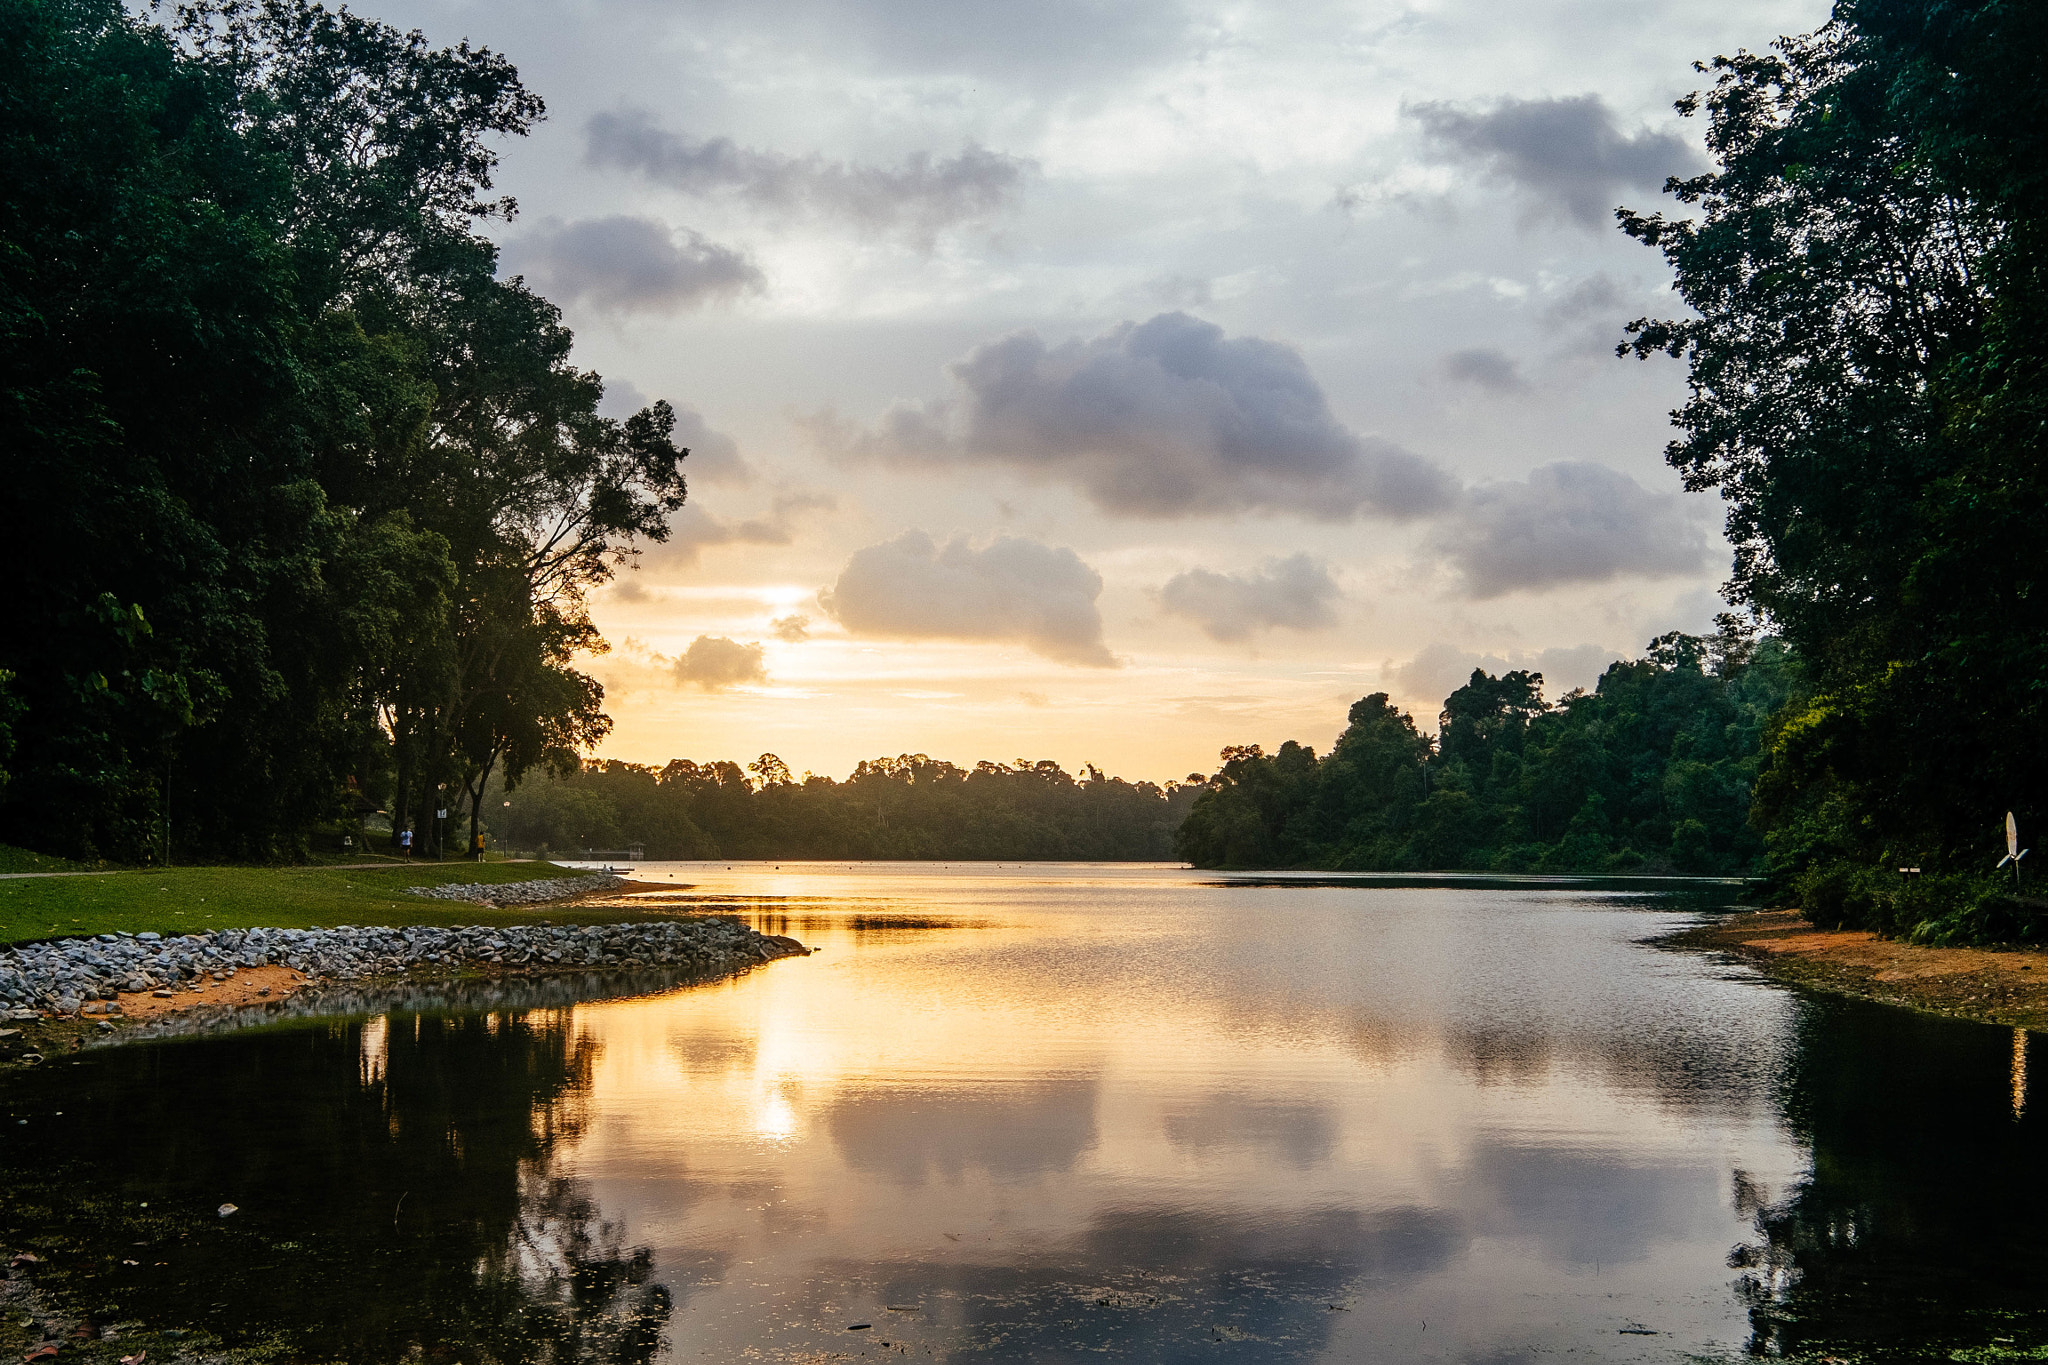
305, 501
1651, 771
1865, 265
909, 807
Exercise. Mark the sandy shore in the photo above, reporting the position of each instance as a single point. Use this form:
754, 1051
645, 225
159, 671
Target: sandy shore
1998, 986
247, 986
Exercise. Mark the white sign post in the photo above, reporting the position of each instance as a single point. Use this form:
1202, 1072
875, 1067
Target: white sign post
2013, 851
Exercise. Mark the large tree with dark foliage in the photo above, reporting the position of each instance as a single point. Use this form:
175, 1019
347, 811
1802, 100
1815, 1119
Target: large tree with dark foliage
1865, 269
300, 496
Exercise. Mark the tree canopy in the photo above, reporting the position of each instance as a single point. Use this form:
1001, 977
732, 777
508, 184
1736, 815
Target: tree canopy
1864, 266
304, 501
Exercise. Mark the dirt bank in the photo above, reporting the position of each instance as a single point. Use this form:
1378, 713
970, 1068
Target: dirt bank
1997, 986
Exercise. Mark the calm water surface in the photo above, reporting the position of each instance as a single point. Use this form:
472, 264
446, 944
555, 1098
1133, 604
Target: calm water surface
1051, 1113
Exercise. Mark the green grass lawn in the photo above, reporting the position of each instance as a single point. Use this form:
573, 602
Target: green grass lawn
183, 900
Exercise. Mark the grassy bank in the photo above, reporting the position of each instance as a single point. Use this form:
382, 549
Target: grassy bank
182, 900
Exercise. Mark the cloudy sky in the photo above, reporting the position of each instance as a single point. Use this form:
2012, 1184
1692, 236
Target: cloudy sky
1111, 380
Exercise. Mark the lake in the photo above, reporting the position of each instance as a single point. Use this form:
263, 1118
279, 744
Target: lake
1062, 1112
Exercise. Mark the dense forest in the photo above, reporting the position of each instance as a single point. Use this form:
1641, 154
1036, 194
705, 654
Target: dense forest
908, 807
1866, 267
1649, 772
302, 500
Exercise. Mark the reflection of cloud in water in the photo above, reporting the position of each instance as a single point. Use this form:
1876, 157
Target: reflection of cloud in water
1165, 1283
1296, 1135
1009, 1130
1587, 1206
713, 1050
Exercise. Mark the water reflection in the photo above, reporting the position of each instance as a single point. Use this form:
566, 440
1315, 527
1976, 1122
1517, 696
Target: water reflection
1920, 1219
1025, 1115
1168, 1283
391, 1183
1006, 1132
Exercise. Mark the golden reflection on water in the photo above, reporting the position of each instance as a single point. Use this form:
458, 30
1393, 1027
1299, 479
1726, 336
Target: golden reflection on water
1109, 1077
2019, 1073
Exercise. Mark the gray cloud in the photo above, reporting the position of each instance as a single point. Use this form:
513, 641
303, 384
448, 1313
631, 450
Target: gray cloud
1569, 155
1165, 418
714, 456
1570, 522
1487, 367
922, 196
624, 264
693, 530
1297, 593
1586, 318
714, 663
1040, 596
792, 629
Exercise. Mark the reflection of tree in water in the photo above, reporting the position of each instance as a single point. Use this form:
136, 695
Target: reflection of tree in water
391, 1183
1918, 1230
567, 1288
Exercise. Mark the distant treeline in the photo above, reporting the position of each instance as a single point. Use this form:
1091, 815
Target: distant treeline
910, 807
1649, 772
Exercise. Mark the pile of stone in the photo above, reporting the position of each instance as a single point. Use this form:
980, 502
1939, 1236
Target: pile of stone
522, 893
69, 975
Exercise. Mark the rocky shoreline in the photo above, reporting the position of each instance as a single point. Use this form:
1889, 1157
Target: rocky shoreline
100, 984
523, 893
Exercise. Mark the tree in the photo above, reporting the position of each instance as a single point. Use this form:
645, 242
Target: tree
308, 499
1651, 771
1867, 375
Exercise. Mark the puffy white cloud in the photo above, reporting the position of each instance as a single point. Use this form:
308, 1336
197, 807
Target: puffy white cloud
714, 663
1014, 590
1570, 522
1297, 593
1165, 418
626, 264
1569, 156
922, 196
